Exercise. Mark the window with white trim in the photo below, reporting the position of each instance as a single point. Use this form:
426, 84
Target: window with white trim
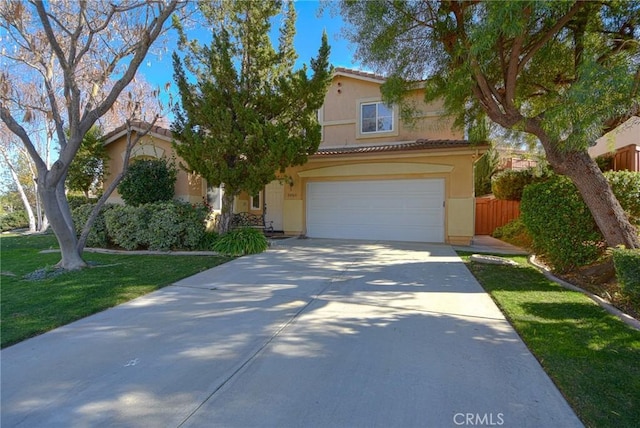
376, 117
214, 197
256, 202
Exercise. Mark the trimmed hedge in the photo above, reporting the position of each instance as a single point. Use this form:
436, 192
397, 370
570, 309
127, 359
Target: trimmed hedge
159, 226
126, 226
561, 225
98, 236
627, 265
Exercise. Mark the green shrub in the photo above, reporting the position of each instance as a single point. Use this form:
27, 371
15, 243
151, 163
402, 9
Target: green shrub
208, 241
164, 226
514, 232
14, 220
626, 187
483, 170
98, 236
560, 224
148, 181
76, 201
627, 265
126, 226
509, 184
605, 162
161, 226
194, 218
241, 241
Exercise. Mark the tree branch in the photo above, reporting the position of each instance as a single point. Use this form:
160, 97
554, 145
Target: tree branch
549, 34
82, 240
17, 129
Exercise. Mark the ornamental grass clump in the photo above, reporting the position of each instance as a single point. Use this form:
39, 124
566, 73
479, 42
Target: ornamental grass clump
240, 242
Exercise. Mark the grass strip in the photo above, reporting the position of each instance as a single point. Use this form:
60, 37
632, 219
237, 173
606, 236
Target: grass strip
592, 356
31, 307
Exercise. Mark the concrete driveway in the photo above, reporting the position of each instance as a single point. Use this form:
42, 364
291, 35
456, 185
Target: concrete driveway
312, 333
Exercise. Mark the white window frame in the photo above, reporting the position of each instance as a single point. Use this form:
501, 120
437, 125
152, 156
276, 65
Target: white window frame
377, 105
259, 199
205, 187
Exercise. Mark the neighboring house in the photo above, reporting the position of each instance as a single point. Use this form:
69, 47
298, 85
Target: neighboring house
373, 177
622, 145
155, 144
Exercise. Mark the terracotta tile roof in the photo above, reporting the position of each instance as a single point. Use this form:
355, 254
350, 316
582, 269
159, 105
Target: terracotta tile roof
420, 144
137, 126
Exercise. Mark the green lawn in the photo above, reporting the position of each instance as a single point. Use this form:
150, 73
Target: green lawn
592, 356
31, 307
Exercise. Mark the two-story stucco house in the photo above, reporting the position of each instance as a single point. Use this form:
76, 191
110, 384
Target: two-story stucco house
373, 177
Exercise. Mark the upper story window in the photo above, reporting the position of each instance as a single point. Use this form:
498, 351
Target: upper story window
376, 117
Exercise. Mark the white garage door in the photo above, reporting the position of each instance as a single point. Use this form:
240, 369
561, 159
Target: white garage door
391, 210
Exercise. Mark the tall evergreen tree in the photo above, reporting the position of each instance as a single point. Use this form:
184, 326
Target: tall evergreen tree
87, 169
563, 72
248, 115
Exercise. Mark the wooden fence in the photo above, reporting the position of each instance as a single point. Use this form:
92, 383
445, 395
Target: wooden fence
628, 158
492, 213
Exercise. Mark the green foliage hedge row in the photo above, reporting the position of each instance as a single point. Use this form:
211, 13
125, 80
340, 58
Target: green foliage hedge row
159, 226
98, 236
627, 265
561, 225
14, 220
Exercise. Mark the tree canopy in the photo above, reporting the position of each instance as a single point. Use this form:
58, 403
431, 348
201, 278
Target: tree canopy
248, 114
564, 72
79, 58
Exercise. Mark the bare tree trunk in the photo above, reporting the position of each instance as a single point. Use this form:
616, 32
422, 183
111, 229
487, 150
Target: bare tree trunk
226, 211
594, 189
599, 198
71, 258
25, 200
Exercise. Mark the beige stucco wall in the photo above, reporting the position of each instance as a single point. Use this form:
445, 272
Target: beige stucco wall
188, 187
339, 116
340, 122
454, 166
625, 134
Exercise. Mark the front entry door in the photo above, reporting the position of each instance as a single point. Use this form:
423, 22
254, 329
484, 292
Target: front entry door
274, 201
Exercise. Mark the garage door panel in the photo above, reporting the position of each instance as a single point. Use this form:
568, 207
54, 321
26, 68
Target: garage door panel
400, 210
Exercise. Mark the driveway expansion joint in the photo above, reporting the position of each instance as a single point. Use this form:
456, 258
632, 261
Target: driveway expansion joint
238, 370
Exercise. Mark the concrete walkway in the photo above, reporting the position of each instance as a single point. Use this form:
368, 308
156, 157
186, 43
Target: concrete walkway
312, 333
489, 244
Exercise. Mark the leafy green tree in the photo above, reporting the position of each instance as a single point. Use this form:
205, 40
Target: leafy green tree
88, 167
484, 169
564, 72
248, 115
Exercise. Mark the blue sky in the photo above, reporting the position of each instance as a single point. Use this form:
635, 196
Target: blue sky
309, 28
